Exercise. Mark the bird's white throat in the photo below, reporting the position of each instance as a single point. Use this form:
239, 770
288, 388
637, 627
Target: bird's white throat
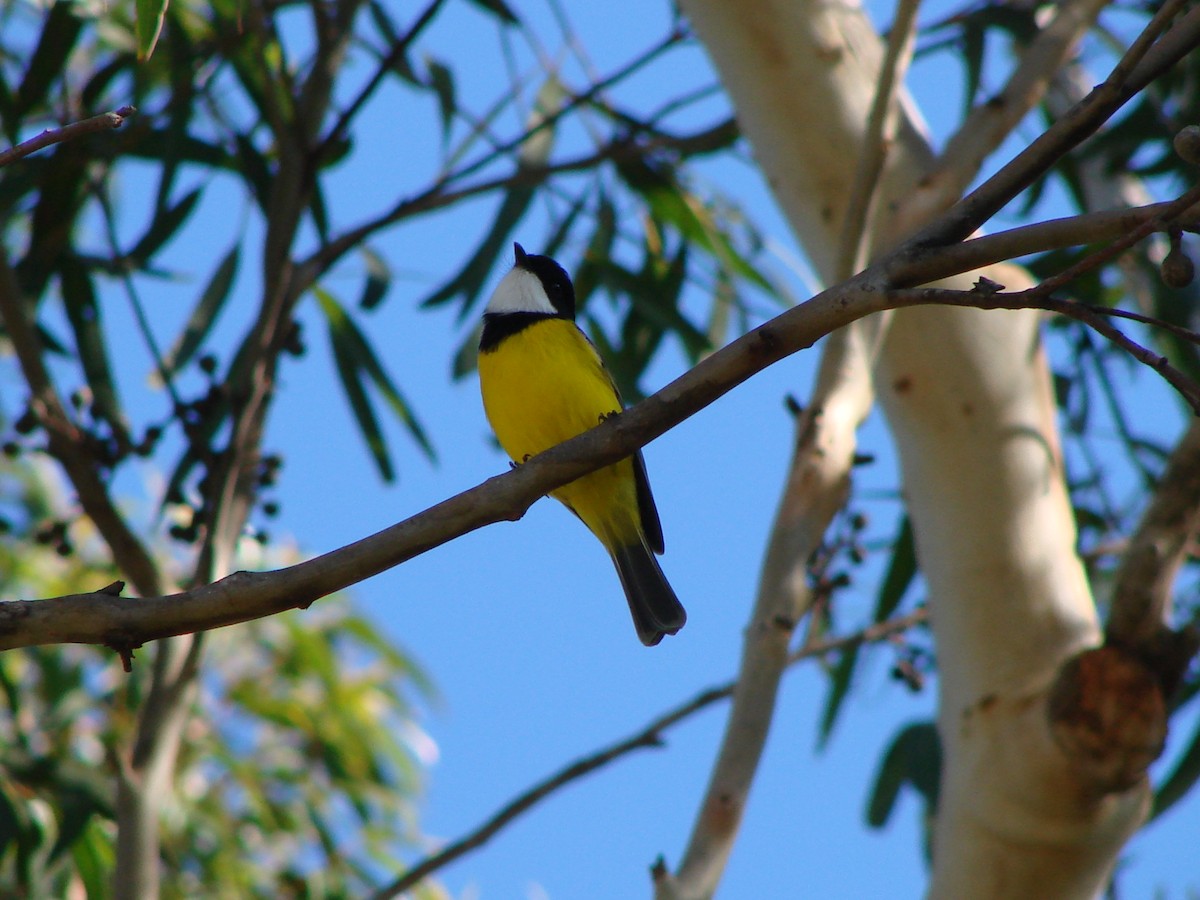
520, 291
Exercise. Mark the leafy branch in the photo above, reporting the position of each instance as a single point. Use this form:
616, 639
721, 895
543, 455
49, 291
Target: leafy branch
124, 623
649, 736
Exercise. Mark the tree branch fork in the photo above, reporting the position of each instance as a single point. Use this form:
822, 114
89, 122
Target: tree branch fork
124, 623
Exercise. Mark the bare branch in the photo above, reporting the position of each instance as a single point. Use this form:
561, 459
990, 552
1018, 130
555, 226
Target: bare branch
881, 130
123, 623
1067, 132
989, 123
648, 736
443, 193
65, 442
1141, 601
51, 136
1053, 234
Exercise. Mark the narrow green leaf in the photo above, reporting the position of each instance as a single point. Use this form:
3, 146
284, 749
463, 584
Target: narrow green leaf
47, 63
670, 202
972, 48
379, 279
163, 226
468, 283
441, 81
599, 250
83, 313
254, 169
466, 357
839, 688
354, 359
8, 109
499, 9
94, 859
563, 229
366, 358
150, 15
11, 826
204, 314
320, 212
383, 22
902, 569
914, 757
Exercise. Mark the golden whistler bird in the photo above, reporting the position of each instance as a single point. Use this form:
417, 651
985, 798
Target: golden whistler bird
543, 383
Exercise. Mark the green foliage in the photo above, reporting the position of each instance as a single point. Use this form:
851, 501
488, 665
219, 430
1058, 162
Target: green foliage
355, 361
302, 742
914, 758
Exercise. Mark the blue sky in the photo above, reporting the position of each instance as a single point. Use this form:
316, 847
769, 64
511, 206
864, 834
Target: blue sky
522, 626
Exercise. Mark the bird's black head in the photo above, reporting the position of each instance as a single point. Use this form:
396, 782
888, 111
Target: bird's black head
554, 278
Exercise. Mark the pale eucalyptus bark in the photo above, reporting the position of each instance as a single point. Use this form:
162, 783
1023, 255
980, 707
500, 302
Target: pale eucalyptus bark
968, 399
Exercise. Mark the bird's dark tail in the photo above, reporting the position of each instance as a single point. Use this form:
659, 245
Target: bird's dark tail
656, 610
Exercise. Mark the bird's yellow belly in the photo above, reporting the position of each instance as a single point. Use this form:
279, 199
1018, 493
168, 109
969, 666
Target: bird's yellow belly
544, 385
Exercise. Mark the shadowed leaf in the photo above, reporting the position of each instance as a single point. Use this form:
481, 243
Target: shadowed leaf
356, 363
379, 279
204, 315
499, 9
150, 15
83, 313
60, 31
441, 80
840, 680
914, 757
166, 222
902, 569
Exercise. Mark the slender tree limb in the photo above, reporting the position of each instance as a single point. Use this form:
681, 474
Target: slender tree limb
121, 622
817, 485
1025, 240
1065, 133
386, 63
108, 120
881, 131
989, 123
1145, 579
443, 193
648, 736
1141, 45
65, 442
988, 297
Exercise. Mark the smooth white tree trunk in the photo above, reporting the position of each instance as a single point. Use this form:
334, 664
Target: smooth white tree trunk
968, 399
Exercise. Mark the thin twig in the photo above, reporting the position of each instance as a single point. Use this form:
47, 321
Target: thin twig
440, 196
1067, 132
65, 442
934, 263
880, 131
1038, 298
648, 736
1179, 331
1144, 41
394, 54
51, 136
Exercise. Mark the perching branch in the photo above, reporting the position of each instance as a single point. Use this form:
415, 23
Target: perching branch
109, 120
122, 622
648, 736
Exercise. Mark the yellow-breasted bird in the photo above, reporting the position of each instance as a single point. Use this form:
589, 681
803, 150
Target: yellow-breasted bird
543, 382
